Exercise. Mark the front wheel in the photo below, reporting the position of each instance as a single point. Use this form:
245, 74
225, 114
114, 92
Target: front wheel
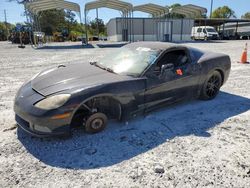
211, 86
96, 123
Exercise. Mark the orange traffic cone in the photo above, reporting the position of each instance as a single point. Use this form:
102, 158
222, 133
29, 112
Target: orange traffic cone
244, 56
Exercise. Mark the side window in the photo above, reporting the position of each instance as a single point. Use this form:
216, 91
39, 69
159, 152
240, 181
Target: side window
204, 31
176, 57
195, 54
199, 30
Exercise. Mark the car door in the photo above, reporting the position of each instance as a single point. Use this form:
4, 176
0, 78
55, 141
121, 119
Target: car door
175, 83
199, 33
204, 33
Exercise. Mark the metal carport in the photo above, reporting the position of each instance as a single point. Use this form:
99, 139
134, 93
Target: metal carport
189, 11
153, 9
156, 11
36, 6
42, 5
124, 7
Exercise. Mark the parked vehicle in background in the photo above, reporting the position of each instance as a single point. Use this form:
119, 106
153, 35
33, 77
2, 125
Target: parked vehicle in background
21, 33
59, 37
204, 33
234, 31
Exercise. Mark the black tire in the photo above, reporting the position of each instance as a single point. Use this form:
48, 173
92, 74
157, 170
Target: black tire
96, 123
211, 86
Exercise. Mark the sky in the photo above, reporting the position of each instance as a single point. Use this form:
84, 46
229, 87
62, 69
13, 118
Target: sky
15, 11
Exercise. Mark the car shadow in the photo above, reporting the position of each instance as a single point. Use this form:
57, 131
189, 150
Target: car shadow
123, 141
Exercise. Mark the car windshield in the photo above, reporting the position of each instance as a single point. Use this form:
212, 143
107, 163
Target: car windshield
131, 62
211, 30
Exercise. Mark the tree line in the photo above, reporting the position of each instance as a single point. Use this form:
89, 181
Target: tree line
59, 20
4, 30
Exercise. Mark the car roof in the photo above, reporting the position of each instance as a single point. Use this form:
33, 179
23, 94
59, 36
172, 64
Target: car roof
152, 45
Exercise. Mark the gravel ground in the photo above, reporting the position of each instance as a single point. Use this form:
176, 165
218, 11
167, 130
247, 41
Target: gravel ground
192, 144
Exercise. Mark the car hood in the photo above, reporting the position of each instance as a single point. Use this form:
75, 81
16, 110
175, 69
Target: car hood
81, 75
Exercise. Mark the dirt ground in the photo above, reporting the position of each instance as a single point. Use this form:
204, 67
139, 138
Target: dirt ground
192, 144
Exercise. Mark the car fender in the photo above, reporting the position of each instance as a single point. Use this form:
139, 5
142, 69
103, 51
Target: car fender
129, 99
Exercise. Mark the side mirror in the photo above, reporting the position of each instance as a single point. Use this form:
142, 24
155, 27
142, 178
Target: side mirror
166, 67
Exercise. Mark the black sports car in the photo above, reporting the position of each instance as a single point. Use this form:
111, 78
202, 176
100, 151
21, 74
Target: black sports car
135, 79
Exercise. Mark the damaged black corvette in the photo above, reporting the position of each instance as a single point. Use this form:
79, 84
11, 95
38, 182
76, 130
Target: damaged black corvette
135, 79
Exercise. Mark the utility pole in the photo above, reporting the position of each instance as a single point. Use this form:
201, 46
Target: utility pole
6, 24
97, 23
211, 10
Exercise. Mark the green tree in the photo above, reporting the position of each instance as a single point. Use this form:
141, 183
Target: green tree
98, 24
175, 15
70, 20
52, 21
246, 16
74, 28
223, 12
5, 31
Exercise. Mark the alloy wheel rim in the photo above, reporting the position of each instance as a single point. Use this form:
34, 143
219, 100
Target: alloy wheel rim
213, 86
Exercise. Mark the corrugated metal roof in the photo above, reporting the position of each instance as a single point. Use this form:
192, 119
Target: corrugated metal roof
42, 5
112, 4
190, 11
153, 9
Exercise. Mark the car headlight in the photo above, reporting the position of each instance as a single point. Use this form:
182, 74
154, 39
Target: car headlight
53, 102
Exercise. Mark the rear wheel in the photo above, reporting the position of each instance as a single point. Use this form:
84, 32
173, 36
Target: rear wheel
211, 86
96, 123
